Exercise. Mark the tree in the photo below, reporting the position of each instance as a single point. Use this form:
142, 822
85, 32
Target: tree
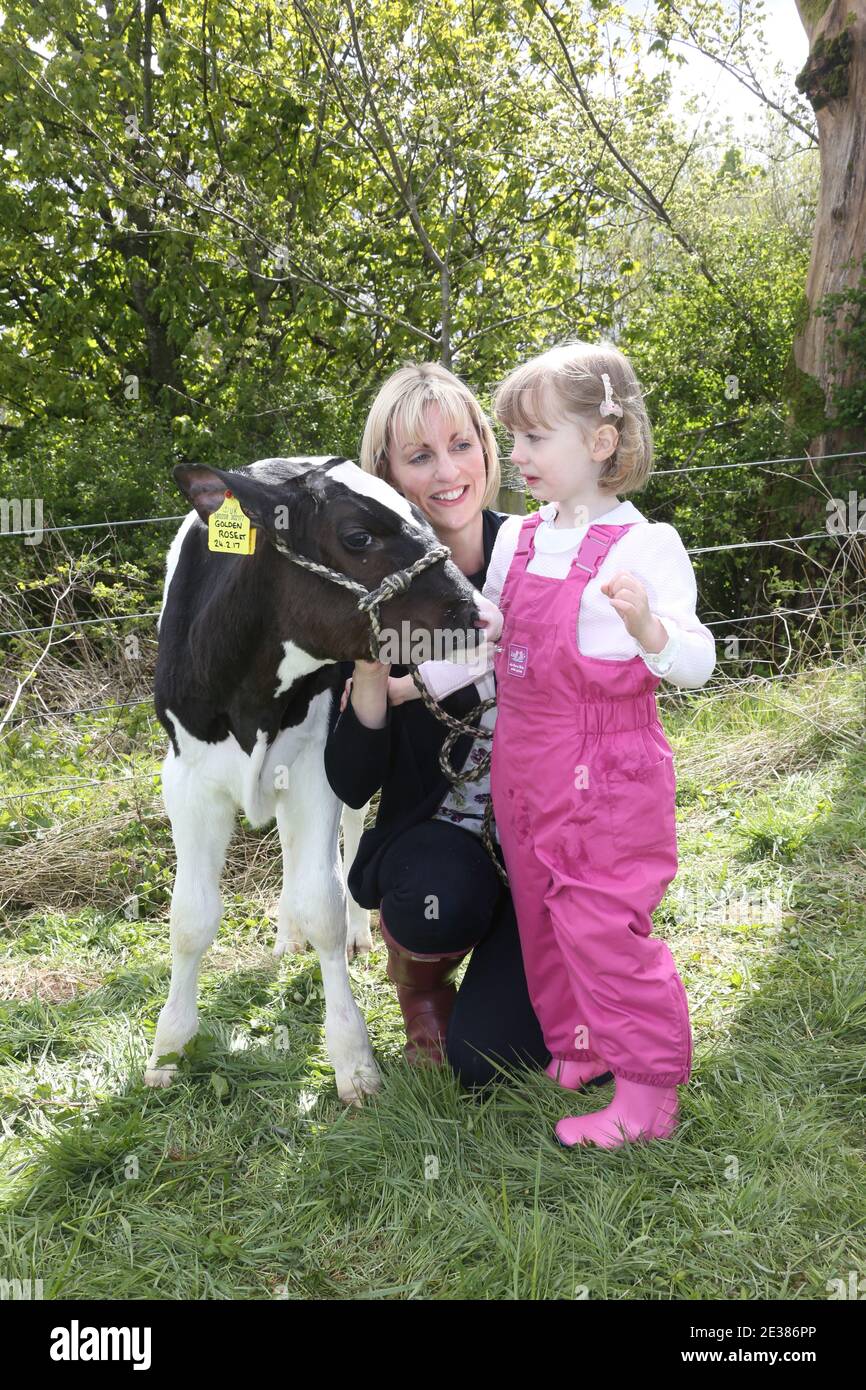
825, 397
834, 79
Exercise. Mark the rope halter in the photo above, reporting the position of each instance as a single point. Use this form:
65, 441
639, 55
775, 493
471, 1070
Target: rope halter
370, 600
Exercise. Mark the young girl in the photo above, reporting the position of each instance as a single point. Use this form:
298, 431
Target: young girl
597, 603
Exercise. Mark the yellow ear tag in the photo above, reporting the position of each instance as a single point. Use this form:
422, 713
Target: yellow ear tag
229, 531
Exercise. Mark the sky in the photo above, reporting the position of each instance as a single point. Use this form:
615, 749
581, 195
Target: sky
723, 94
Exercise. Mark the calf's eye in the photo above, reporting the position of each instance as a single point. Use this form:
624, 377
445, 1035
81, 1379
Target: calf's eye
357, 540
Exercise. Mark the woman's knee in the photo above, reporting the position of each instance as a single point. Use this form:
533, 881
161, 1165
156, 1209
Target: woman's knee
436, 901
473, 1070
422, 928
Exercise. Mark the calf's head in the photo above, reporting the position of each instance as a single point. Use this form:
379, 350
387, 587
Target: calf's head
349, 521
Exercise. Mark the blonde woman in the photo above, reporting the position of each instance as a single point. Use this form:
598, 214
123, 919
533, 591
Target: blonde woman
423, 863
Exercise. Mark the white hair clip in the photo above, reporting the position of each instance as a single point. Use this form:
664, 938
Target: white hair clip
608, 406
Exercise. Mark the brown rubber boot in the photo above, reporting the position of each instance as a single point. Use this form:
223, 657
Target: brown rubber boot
426, 993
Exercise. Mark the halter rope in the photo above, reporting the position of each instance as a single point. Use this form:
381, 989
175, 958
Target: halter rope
457, 727
369, 601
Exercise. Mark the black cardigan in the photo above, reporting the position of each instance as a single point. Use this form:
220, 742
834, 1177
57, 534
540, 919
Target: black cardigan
401, 759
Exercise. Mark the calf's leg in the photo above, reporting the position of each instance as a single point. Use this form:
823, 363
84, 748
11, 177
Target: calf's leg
359, 938
291, 929
202, 821
313, 908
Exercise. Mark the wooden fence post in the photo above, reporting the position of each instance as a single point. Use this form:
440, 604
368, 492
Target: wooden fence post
512, 500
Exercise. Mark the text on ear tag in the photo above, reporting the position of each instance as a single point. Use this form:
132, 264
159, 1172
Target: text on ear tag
229, 531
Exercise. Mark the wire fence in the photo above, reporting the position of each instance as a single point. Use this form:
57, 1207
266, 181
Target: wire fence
81, 622
154, 777
757, 463
44, 716
657, 473
40, 792
809, 611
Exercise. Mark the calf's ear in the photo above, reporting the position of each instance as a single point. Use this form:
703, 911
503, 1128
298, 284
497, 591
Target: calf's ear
206, 489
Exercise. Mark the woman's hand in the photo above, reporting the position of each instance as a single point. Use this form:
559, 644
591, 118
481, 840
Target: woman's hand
401, 689
370, 674
629, 597
367, 688
371, 670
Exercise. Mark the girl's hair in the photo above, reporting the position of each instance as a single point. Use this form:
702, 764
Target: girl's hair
565, 383
399, 410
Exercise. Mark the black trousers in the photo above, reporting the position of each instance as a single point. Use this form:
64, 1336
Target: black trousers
441, 892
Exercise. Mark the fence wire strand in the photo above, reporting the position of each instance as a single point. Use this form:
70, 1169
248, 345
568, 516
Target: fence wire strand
810, 612
657, 473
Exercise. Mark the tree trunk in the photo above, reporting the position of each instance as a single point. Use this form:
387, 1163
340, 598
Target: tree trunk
834, 79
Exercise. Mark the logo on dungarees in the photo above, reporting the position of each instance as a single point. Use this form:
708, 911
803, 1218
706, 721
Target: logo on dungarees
517, 658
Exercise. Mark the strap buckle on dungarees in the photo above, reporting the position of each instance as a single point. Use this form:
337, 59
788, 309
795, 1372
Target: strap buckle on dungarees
601, 536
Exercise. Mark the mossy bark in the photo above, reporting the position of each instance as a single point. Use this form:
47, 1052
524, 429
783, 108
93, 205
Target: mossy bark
834, 79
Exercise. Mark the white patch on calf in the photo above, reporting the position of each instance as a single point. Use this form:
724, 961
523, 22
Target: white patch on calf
262, 467
172, 558
296, 663
248, 779
367, 483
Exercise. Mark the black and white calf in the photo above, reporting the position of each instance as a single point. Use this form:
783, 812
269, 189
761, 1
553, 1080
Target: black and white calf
244, 682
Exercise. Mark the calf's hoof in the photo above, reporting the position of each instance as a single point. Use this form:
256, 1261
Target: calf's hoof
359, 941
365, 1081
294, 948
160, 1076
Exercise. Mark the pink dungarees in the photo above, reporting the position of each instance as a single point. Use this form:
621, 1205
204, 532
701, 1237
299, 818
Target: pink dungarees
583, 789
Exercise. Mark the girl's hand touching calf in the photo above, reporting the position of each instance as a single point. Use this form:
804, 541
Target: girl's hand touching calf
489, 618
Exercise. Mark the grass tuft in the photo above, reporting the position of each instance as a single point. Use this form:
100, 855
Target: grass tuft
248, 1180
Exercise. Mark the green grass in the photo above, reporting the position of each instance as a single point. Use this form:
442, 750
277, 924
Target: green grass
248, 1180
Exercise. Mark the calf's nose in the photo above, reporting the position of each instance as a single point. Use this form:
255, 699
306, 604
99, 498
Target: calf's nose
463, 614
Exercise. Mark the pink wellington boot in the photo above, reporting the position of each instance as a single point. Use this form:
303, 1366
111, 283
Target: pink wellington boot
574, 1076
636, 1112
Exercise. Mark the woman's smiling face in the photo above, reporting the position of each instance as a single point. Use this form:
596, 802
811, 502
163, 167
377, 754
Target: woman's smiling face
443, 473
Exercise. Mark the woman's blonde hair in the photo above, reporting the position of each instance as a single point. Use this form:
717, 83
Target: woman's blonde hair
565, 382
401, 405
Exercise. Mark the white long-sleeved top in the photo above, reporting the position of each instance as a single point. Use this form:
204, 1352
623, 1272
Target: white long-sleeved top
652, 551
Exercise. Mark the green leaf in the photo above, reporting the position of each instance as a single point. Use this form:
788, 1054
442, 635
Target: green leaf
220, 1085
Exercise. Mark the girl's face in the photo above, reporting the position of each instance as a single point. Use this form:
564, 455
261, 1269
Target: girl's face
562, 464
443, 473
